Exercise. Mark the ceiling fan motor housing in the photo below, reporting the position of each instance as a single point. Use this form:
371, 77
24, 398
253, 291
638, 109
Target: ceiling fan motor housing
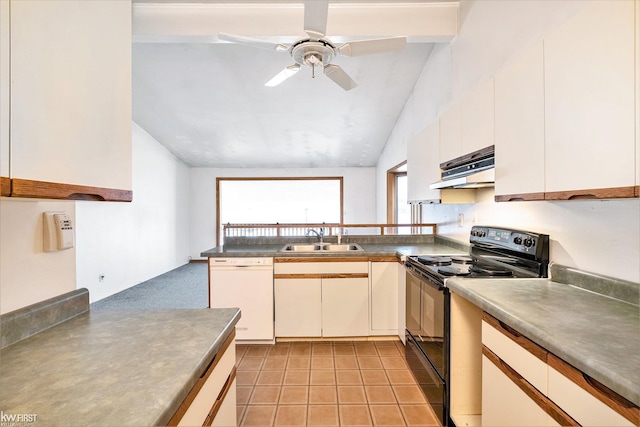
311, 52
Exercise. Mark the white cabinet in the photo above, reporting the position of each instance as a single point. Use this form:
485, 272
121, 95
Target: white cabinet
451, 133
519, 128
4, 88
212, 400
70, 65
321, 298
384, 297
345, 307
478, 119
423, 164
637, 46
298, 307
589, 100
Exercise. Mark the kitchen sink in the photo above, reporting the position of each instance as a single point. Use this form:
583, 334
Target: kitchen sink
321, 247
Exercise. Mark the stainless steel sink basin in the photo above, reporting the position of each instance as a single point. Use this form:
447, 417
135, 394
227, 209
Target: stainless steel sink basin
321, 247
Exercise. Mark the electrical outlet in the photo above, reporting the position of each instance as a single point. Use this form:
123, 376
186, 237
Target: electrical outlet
460, 220
101, 278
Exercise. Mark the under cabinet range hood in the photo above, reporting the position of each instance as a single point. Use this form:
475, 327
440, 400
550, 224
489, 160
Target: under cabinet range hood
473, 170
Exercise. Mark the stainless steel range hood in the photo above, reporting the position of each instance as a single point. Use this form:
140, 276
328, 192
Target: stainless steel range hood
473, 170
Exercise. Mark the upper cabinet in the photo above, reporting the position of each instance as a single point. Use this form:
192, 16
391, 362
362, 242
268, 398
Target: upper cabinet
590, 117
519, 128
423, 165
70, 91
451, 133
477, 119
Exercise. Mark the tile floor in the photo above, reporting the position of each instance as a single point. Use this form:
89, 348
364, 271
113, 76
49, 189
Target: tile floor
340, 383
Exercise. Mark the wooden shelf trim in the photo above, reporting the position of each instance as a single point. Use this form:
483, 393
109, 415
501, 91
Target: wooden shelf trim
517, 337
5, 186
588, 194
322, 276
547, 405
54, 190
601, 392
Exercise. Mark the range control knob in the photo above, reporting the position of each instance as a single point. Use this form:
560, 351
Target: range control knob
528, 242
517, 240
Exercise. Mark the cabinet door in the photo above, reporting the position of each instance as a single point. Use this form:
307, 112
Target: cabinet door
345, 307
4, 88
71, 92
298, 307
384, 297
423, 163
589, 99
519, 127
451, 133
504, 404
478, 119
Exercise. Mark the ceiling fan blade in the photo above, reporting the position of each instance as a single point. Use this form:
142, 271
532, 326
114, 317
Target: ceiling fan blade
370, 47
250, 41
315, 17
283, 75
339, 76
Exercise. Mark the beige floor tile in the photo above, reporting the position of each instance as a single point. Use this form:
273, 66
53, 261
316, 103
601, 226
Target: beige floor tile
257, 351
246, 377
354, 415
393, 362
374, 376
280, 349
270, 378
251, 363
294, 395
348, 377
278, 363
388, 350
243, 394
240, 413
322, 362
409, 394
259, 415
344, 350
369, 362
346, 362
350, 394
386, 415
366, 350
296, 377
300, 349
322, 350
291, 415
264, 395
400, 376
323, 377
323, 416
380, 394
322, 394
419, 415
299, 362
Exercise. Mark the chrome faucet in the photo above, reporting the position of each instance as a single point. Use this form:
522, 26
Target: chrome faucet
319, 234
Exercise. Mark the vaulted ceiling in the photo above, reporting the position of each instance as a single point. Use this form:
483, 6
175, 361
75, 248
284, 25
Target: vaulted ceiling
205, 99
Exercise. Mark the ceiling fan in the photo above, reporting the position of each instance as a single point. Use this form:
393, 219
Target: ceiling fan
318, 51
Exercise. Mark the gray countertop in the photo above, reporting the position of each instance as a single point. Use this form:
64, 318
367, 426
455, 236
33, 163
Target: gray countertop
112, 368
597, 334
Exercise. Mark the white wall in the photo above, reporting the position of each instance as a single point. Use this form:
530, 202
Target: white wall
598, 236
129, 243
27, 273
359, 197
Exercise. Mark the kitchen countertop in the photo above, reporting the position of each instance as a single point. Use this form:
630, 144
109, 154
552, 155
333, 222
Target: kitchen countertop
597, 334
112, 368
369, 250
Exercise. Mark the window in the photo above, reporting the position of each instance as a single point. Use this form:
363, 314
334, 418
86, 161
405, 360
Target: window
278, 200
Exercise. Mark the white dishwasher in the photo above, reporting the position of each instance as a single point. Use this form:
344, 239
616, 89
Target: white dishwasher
246, 283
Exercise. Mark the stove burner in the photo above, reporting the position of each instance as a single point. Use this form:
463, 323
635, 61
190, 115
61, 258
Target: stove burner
434, 260
461, 259
489, 270
453, 271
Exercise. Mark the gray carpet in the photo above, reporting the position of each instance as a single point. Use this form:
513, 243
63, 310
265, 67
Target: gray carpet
184, 287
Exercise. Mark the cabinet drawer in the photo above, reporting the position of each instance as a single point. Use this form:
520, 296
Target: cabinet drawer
200, 402
528, 359
580, 401
321, 267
